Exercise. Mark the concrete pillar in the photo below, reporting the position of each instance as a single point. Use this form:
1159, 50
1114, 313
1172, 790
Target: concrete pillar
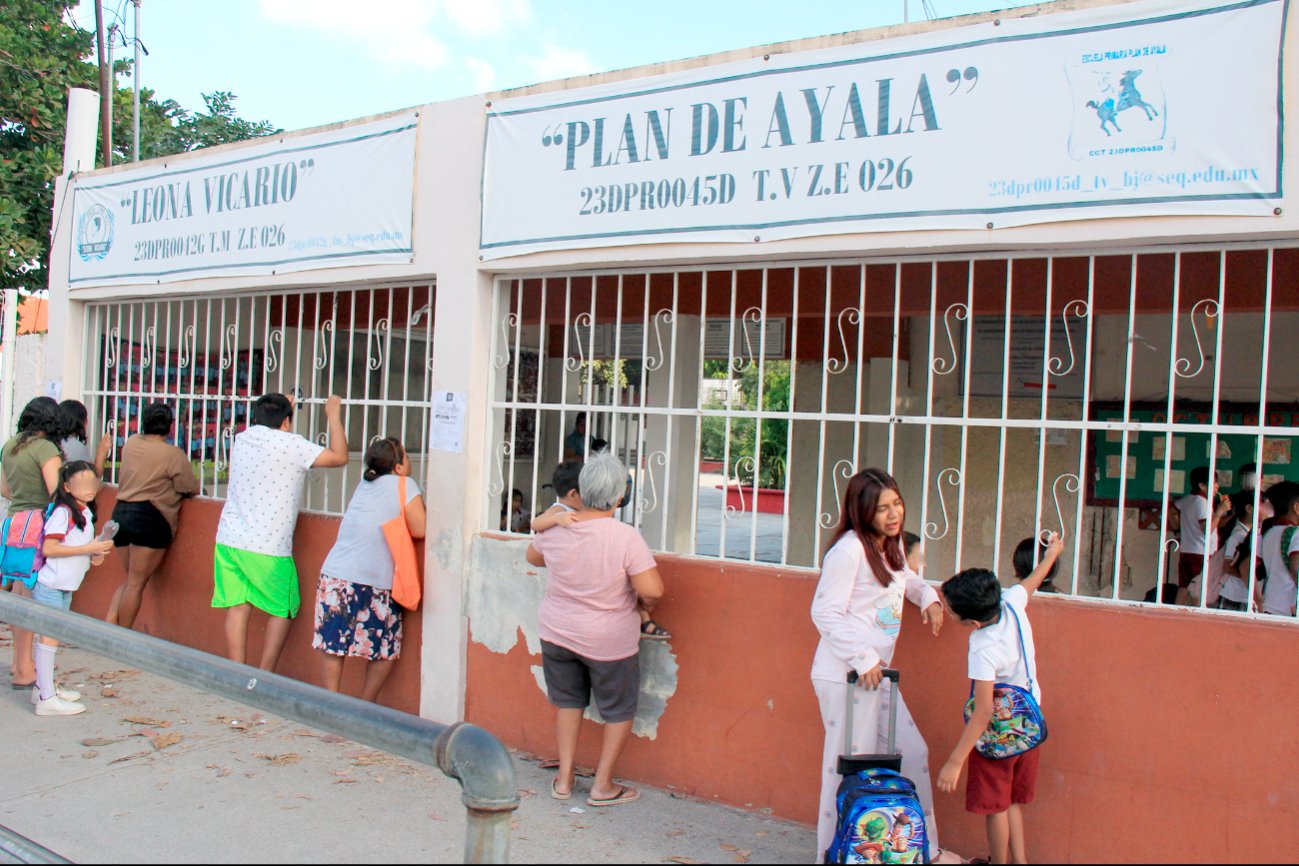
462, 363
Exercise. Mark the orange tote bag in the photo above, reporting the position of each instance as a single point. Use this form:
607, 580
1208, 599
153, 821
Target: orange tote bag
407, 582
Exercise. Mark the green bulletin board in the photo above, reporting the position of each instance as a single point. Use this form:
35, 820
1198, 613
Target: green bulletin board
1145, 468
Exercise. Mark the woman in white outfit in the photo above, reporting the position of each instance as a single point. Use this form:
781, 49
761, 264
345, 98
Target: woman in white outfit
858, 611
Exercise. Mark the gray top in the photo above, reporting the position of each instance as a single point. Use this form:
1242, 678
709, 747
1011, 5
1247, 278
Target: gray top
74, 449
361, 553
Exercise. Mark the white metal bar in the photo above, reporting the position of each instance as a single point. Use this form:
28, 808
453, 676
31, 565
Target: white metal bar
825, 390
1003, 434
965, 416
1126, 435
789, 425
1086, 413
1047, 315
893, 376
1213, 437
1256, 540
1168, 438
757, 423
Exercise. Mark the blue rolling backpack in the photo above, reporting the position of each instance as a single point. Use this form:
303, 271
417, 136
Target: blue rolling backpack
880, 816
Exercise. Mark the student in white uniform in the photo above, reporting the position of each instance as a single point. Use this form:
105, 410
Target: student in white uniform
1280, 550
1237, 551
1202, 512
858, 611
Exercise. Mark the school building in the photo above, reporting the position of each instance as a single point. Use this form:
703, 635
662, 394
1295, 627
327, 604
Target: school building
1038, 264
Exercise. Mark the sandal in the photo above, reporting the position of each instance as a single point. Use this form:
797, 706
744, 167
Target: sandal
20, 687
554, 791
624, 795
580, 771
650, 630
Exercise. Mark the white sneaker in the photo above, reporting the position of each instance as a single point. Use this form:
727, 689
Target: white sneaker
64, 694
56, 706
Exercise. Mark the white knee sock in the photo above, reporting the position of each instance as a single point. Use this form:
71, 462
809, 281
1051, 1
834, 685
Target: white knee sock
45, 669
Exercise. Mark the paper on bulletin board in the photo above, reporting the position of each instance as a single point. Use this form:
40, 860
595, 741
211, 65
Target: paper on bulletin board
1176, 482
1276, 452
1160, 448
447, 428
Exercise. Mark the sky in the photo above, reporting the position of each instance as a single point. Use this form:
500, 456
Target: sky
303, 63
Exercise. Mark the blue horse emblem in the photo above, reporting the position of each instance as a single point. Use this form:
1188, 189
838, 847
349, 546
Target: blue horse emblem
1109, 109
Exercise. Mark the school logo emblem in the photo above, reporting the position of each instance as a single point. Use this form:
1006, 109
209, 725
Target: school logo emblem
1117, 106
95, 233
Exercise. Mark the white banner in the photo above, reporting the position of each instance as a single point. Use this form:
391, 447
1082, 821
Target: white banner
1151, 108
343, 197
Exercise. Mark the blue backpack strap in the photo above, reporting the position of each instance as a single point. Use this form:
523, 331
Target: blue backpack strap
1023, 650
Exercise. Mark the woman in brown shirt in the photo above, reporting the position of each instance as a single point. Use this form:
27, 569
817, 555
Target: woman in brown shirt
155, 477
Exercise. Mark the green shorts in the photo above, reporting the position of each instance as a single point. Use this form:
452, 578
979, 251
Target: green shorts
268, 583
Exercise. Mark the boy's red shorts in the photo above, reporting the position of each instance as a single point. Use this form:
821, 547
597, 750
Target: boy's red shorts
994, 786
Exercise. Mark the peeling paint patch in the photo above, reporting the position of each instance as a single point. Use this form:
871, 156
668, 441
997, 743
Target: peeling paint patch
502, 599
503, 595
658, 682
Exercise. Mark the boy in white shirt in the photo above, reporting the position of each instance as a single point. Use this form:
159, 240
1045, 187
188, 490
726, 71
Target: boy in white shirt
1199, 521
997, 789
1280, 550
253, 563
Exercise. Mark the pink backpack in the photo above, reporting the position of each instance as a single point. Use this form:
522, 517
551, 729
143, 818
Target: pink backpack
21, 539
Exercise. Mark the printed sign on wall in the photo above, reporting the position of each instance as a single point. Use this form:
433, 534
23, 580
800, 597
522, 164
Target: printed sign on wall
1152, 108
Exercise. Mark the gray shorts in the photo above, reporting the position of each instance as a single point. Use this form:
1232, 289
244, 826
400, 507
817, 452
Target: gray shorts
571, 682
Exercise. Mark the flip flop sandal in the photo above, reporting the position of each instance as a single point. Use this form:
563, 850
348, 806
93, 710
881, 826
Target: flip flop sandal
650, 630
554, 792
624, 795
553, 764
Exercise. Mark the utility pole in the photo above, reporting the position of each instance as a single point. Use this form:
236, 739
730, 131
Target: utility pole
105, 89
135, 76
906, 11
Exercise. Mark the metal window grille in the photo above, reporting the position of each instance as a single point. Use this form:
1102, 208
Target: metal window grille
1010, 394
210, 357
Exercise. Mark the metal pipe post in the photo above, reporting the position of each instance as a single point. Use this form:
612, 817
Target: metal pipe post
19, 849
135, 77
468, 754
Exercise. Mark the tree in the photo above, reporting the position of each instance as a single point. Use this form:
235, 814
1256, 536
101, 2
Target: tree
42, 54
40, 58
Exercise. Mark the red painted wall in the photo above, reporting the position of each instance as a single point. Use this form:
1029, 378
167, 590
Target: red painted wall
178, 603
1172, 734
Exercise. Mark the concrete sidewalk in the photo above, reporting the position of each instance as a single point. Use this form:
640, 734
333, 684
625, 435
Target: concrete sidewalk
155, 772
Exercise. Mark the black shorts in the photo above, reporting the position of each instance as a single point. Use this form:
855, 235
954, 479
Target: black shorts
140, 524
572, 680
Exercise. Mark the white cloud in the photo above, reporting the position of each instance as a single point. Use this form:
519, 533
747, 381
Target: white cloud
400, 32
412, 33
557, 61
483, 74
481, 40
488, 17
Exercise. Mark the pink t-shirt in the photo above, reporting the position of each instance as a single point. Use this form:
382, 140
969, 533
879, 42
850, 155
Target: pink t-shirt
590, 605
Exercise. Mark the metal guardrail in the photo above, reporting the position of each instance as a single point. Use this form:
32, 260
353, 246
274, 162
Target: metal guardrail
468, 754
20, 849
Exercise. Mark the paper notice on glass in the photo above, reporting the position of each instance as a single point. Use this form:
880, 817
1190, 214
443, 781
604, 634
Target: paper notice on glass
447, 427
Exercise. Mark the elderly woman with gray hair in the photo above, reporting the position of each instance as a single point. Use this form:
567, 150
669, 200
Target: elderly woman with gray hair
599, 569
